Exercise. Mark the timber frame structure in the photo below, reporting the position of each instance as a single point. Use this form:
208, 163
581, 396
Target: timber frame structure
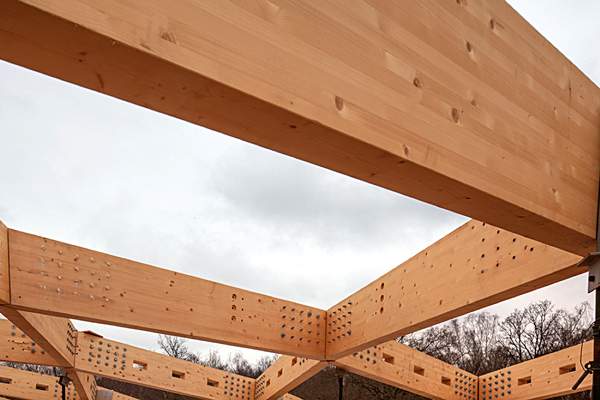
461, 104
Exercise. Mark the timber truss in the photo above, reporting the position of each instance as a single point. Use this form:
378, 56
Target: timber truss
461, 104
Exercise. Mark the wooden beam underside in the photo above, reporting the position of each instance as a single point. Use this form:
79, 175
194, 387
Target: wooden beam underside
59, 279
475, 266
544, 377
460, 104
408, 369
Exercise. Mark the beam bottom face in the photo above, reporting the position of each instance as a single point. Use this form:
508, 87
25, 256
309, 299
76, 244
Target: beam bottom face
408, 369
475, 266
56, 278
110, 359
284, 375
25, 385
544, 377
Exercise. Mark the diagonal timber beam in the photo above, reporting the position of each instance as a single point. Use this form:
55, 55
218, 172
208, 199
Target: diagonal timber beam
544, 377
475, 266
16, 346
446, 102
408, 369
55, 278
284, 375
57, 336
111, 359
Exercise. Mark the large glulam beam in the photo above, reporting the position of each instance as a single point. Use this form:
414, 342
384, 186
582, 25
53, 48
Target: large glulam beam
284, 375
111, 359
545, 377
460, 104
474, 266
408, 369
59, 279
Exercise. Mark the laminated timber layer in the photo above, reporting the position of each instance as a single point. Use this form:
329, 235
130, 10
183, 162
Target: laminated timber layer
461, 104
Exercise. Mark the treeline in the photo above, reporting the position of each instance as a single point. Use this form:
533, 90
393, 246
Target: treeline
483, 342
177, 347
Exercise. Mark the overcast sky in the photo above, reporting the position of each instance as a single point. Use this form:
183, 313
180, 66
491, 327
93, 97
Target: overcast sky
90, 170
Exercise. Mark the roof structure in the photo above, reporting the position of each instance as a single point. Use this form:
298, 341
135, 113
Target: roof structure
460, 104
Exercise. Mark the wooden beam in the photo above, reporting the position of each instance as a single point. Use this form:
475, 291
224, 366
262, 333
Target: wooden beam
59, 279
473, 267
408, 369
85, 383
284, 375
460, 104
288, 396
16, 346
57, 336
545, 377
25, 385
4, 270
106, 394
115, 360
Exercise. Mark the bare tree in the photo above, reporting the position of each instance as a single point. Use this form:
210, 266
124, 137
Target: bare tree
175, 346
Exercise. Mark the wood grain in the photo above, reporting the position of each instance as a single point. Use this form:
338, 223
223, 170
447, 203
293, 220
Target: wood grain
459, 104
475, 266
64, 280
408, 369
545, 377
284, 375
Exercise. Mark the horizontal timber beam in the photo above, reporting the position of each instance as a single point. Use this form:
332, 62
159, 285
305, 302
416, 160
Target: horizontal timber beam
400, 366
544, 377
25, 385
111, 359
55, 278
460, 104
473, 267
284, 375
